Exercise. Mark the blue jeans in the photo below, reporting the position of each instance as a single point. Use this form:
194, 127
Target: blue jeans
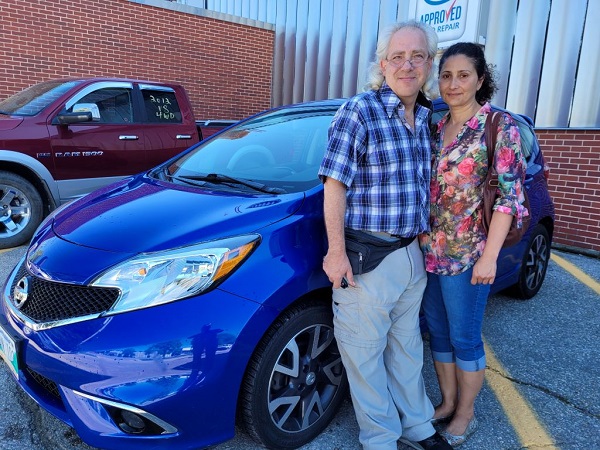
454, 312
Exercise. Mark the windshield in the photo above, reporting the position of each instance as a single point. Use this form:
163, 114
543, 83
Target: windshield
282, 149
35, 98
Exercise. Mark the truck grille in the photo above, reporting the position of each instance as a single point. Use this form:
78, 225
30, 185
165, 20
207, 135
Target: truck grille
49, 301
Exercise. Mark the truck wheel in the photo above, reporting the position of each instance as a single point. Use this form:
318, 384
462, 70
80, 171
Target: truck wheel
295, 381
21, 210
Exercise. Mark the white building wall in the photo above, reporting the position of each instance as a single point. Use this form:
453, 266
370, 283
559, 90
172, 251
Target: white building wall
559, 66
546, 52
585, 111
526, 60
499, 51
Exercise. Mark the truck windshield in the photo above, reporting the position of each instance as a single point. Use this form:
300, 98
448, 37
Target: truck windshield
35, 98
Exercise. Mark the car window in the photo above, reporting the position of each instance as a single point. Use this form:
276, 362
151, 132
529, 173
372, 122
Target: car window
161, 106
107, 105
280, 149
526, 139
530, 149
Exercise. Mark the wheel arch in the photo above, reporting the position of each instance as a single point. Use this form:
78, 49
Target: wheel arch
320, 295
34, 172
548, 223
252, 410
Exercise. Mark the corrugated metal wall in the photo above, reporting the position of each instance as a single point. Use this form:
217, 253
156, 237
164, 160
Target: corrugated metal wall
546, 51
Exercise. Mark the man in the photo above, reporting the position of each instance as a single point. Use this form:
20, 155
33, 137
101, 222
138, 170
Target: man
376, 179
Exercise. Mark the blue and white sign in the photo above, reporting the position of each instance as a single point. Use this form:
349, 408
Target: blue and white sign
453, 20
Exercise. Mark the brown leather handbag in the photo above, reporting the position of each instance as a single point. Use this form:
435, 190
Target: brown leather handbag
490, 189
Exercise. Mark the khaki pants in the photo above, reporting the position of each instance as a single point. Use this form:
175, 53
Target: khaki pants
376, 325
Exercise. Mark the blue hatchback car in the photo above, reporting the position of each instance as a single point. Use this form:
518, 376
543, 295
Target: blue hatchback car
161, 311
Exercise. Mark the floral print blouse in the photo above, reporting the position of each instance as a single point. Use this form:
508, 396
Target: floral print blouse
457, 239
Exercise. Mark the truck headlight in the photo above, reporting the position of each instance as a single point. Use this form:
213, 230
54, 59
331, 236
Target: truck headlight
151, 279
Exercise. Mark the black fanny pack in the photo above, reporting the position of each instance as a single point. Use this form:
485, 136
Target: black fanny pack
365, 250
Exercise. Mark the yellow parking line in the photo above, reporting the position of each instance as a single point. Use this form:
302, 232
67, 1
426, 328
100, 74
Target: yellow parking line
577, 273
519, 412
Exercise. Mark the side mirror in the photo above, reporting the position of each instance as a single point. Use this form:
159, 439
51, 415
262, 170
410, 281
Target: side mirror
72, 117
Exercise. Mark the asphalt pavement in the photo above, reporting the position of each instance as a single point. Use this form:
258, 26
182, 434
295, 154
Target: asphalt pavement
541, 389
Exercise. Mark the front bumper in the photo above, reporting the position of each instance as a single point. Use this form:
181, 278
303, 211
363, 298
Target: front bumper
174, 369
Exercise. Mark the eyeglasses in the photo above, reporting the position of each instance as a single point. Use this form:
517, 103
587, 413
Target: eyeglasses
415, 60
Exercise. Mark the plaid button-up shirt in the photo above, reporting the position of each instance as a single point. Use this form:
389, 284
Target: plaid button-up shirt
383, 162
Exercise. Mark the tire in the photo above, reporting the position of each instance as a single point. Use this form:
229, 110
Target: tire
21, 210
534, 265
295, 382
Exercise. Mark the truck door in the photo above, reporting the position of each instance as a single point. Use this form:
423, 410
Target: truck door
88, 155
169, 125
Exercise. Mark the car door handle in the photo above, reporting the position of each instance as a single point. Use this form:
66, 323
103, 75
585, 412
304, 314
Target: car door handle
125, 137
183, 136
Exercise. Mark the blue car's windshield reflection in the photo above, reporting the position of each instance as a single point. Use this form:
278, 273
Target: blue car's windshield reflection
278, 150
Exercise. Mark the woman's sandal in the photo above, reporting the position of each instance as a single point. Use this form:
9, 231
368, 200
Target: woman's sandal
456, 440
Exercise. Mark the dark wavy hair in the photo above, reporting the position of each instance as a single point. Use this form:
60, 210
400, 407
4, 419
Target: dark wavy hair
475, 53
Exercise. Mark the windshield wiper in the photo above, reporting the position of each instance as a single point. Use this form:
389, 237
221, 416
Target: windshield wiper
6, 113
226, 179
218, 178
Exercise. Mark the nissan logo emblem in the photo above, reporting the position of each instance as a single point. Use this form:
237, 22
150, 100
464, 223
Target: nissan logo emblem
21, 292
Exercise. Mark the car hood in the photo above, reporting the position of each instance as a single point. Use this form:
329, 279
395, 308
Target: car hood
9, 122
145, 215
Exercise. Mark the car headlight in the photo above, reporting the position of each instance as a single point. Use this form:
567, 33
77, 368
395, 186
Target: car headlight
152, 279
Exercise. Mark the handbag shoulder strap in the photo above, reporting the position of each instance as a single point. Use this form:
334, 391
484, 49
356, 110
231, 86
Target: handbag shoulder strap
490, 132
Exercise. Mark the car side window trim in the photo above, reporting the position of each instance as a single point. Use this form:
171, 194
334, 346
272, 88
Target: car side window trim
94, 87
155, 87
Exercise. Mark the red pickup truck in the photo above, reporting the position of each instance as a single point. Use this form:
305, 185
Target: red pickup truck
61, 139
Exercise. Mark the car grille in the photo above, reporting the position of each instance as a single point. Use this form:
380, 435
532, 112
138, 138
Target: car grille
49, 301
47, 385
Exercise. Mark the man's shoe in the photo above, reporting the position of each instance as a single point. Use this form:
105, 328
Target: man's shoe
433, 442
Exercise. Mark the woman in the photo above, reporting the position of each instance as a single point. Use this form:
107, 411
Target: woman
460, 258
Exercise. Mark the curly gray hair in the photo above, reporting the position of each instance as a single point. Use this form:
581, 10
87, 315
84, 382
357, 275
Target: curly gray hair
375, 78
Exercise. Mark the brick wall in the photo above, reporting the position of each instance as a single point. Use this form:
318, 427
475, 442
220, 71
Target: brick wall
226, 70
225, 67
574, 159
